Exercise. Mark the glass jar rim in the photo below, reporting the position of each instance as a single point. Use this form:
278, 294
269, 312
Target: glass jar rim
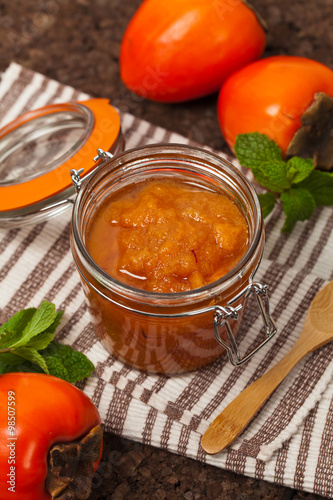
163, 150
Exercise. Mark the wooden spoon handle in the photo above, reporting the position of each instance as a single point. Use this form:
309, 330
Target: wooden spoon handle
235, 417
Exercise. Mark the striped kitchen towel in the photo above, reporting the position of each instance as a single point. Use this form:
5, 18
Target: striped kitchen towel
290, 441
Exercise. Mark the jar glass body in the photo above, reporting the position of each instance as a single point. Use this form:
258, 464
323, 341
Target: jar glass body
164, 332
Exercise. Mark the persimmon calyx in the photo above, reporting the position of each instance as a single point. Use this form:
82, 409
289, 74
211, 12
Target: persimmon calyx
315, 137
71, 469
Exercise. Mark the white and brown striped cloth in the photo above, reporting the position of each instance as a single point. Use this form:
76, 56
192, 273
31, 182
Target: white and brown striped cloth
290, 441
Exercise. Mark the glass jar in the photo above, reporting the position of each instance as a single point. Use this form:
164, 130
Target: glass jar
170, 332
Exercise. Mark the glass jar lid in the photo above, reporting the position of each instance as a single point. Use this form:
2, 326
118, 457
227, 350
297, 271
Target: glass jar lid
40, 148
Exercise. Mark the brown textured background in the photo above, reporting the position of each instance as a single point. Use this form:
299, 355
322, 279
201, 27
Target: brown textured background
77, 43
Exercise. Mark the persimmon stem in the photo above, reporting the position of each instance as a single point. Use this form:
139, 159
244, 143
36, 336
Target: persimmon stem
71, 469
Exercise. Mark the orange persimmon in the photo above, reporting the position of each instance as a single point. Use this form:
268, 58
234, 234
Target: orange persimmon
286, 98
184, 49
50, 438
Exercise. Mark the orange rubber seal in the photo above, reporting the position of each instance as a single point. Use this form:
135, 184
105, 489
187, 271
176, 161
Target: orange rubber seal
105, 131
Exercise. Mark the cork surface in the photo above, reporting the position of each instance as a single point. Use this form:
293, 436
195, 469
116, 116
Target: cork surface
77, 43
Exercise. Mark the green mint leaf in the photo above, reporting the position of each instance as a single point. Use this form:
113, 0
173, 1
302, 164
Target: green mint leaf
75, 362
320, 185
27, 345
272, 175
4, 368
42, 319
9, 358
33, 356
56, 368
299, 169
253, 149
24, 366
298, 205
267, 202
9, 338
52, 328
41, 341
13, 328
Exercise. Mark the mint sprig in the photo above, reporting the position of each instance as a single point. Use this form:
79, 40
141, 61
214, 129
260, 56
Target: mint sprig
267, 202
27, 345
298, 204
295, 182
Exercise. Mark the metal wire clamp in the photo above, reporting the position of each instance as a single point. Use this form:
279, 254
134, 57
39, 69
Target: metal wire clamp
222, 315
102, 155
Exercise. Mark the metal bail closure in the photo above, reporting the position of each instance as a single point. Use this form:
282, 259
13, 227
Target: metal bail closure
222, 315
103, 155
76, 178
76, 174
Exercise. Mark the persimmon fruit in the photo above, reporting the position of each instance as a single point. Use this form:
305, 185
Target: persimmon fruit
288, 98
184, 49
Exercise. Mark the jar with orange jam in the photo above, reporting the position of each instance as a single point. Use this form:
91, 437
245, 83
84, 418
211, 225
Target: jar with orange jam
167, 239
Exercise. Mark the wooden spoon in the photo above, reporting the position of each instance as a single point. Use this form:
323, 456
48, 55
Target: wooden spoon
317, 331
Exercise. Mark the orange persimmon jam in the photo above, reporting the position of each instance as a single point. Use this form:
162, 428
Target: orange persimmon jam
167, 236
166, 239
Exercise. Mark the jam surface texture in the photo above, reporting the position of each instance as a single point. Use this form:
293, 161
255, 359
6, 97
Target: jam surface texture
167, 236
